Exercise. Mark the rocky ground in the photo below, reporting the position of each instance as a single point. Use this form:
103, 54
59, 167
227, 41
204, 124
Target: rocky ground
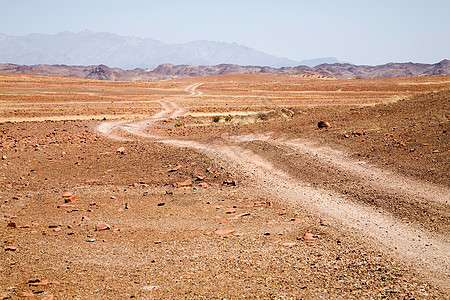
156, 203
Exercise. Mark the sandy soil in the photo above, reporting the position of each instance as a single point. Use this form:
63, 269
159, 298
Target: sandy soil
273, 208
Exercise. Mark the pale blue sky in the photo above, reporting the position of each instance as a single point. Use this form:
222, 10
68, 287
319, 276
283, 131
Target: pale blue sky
359, 31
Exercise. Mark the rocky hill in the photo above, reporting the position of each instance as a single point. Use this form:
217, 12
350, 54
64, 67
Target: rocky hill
167, 71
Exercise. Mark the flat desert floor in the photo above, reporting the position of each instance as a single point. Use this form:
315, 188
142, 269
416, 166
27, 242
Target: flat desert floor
224, 187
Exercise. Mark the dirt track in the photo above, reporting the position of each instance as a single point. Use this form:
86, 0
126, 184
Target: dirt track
278, 215
409, 242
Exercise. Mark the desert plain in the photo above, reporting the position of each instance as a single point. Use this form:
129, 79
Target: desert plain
224, 187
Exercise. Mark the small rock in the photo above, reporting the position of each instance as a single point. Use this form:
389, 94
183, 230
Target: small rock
288, 244
49, 297
325, 223
186, 183
12, 225
323, 124
25, 294
161, 204
170, 170
10, 248
121, 150
308, 236
92, 180
39, 282
296, 221
90, 240
67, 194
203, 185
230, 182
127, 206
71, 199
102, 226
224, 231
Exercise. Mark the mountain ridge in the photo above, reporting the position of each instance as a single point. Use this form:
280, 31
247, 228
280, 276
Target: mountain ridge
170, 71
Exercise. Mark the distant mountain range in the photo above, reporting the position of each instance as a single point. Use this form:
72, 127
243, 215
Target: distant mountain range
167, 71
89, 48
108, 56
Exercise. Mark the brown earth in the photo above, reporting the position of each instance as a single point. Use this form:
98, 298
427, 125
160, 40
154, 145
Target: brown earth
277, 208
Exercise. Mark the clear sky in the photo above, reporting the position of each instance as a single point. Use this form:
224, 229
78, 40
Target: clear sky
359, 31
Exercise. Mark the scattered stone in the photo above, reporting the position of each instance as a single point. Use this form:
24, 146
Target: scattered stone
25, 294
71, 199
174, 169
12, 225
102, 226
92, 180
229, 182
224, 231
288, 244
186, 183
323, 124
121, 150
308, 236
67, 195
38, 282
240, 215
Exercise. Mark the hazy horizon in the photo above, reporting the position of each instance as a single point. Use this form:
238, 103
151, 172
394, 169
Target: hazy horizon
370, 33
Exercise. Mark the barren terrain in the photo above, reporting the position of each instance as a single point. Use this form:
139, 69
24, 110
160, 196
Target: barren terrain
224, 187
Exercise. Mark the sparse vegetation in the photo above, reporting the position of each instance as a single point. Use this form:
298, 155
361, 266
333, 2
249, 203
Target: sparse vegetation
179, 124
216, 119
228, 118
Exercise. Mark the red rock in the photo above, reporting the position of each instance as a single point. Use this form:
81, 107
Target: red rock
12, 225
224, 231
67, 194
174, 169
436, 151
39, 282
288, 244
323, 124
359, 133
92, 180
240, 215
102, 226
71, 199
325, 223
25, 294
308, 236
8, 185
186, 183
